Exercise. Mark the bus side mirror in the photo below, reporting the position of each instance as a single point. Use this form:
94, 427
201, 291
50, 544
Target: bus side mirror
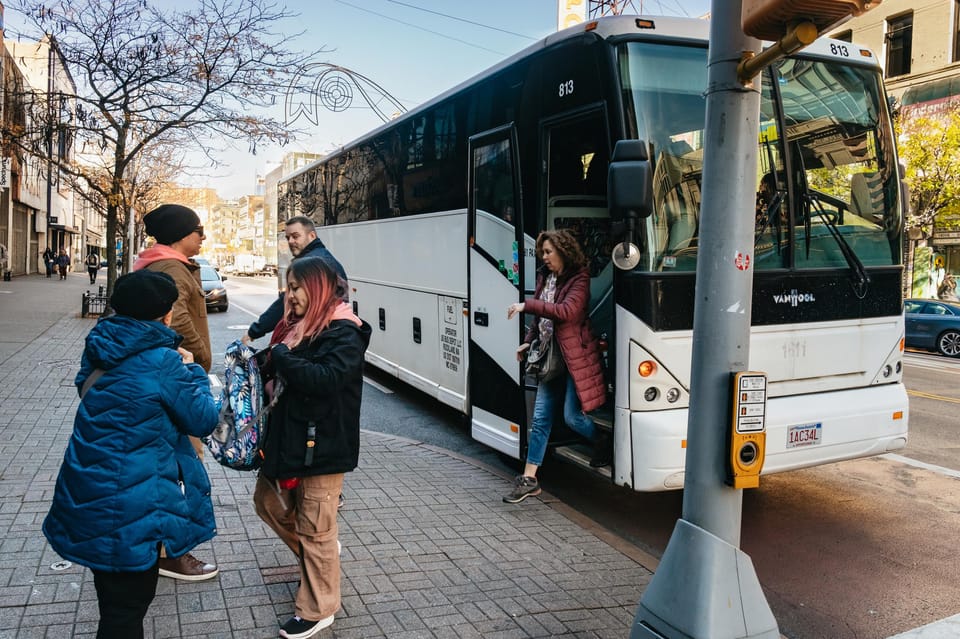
629, 181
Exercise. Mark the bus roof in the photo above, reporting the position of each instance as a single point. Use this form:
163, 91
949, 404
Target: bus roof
690, 29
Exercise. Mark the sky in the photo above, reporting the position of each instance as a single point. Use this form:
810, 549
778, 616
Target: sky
413, 49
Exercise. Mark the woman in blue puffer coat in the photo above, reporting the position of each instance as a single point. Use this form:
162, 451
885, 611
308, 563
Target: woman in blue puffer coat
131, 480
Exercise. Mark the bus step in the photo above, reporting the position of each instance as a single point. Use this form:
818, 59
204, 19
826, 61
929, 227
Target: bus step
603, 419
580, 454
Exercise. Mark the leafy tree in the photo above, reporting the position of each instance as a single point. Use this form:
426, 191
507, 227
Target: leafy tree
930, 148
148, 75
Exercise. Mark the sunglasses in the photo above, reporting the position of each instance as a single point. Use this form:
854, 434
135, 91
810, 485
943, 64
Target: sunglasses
199, 230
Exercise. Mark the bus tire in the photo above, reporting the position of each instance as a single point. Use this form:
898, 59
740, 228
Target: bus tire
949, 343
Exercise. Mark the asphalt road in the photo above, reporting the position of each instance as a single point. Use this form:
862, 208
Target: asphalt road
855, 550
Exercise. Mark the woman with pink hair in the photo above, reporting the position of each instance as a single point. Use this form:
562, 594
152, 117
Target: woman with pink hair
315, 370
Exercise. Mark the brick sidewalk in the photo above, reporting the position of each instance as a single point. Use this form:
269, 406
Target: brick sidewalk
429, 549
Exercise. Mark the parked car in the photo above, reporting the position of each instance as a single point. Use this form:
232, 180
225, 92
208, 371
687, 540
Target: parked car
202, 261
213, 289
933, 325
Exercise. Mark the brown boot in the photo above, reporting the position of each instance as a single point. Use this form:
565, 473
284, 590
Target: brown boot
187, 568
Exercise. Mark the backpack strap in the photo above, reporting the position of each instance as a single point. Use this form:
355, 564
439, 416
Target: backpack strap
91, 380
265, 410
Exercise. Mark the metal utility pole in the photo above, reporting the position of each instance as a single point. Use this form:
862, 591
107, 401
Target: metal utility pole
601, 8
705, 585
51, 69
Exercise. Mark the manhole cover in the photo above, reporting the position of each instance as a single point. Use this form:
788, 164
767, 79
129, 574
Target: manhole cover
60, 565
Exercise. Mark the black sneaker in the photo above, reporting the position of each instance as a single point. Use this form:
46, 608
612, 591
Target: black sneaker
602, 451
299, 628
523, 487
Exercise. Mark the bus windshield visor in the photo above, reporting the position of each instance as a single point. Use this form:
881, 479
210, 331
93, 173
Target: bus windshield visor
827, 179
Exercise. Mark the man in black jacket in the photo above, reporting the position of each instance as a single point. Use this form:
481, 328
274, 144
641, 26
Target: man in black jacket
302, 239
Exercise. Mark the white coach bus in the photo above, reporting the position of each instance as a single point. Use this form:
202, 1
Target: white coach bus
434, 217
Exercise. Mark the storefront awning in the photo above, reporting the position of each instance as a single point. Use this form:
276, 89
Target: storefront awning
61, 227
932, 91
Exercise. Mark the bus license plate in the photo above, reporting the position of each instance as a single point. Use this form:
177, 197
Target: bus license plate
803, 435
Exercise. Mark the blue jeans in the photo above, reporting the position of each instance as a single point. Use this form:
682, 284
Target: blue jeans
548, 394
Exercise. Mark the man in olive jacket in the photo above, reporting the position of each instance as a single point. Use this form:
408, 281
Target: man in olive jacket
179, 236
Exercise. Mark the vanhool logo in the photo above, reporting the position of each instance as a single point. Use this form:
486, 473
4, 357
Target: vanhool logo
793, 298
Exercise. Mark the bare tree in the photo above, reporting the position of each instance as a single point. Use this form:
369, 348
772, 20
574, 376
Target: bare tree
201, 78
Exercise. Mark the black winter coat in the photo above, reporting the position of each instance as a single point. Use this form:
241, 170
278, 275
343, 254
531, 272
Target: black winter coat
320, 403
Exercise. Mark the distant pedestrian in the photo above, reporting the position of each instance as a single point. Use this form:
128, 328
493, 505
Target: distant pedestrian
179, 236
93, 265
948, 289
63, 263
315, 371
4, 258
130, 479
49, 260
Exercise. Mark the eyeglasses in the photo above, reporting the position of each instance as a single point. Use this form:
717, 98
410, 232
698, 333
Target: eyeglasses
199, 230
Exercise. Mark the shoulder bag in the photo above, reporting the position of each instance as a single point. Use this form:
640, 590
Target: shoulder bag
545, 362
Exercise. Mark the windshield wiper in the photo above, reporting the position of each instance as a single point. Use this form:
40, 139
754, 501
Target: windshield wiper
860, 277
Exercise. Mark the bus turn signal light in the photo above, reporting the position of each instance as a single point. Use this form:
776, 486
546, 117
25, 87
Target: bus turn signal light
647, 368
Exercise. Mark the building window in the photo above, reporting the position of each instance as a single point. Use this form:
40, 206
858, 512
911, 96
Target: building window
899, 37
956, 30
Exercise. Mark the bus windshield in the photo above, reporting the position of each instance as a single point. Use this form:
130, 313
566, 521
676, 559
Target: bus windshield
827, 180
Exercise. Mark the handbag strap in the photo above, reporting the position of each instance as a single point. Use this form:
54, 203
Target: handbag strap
91, 380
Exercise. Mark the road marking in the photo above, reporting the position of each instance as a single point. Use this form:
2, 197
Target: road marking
949, 472
926, 360
214, 380
932, 396
379, 387
245, 310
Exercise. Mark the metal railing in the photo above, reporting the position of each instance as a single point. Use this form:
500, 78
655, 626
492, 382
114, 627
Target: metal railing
94, 304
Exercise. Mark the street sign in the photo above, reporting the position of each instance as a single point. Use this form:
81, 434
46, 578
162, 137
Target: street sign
4, 172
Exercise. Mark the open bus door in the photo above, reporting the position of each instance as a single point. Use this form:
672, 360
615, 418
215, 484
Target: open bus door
575, 156
495, 280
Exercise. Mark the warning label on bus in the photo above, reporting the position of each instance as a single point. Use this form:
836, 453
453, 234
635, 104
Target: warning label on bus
450, 342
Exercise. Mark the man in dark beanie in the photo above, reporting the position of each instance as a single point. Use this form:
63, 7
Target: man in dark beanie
179, 236
130, 478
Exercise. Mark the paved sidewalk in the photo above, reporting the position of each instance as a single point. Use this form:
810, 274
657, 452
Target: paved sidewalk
429, 549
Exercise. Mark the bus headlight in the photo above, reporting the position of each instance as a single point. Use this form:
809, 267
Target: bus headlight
887, 370
651, 394
673, 395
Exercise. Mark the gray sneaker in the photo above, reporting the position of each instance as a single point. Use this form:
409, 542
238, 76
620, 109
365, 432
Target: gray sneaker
523, 487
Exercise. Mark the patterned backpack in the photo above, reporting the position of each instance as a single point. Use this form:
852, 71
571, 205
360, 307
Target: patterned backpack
236, 440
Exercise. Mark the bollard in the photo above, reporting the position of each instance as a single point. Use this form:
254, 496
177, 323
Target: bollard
84, 304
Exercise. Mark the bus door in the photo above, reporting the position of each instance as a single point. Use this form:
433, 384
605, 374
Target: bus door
496, 279
575, 155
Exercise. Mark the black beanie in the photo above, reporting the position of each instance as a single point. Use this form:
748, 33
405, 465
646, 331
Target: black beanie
144, 295
170, 222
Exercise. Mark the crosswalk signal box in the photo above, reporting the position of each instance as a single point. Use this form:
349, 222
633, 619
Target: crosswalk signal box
748, 435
